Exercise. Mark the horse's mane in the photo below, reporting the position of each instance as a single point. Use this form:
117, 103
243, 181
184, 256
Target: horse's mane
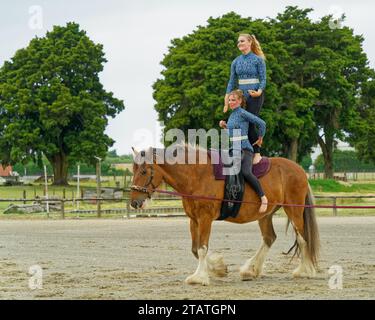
192, 147
183, 145
187, 148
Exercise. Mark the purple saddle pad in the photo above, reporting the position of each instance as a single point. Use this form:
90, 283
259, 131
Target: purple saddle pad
259, 170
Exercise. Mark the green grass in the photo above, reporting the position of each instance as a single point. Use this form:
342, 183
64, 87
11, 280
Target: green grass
333, 186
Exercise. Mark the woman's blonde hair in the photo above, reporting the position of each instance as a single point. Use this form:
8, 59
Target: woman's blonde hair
255, 45
239, 94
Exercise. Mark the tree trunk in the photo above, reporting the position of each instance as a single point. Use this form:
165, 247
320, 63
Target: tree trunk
59, 163
327, 150
293, 150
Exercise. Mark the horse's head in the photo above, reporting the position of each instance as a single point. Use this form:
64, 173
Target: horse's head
146, 177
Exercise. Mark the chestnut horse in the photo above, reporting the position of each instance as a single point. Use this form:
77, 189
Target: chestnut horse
285, 183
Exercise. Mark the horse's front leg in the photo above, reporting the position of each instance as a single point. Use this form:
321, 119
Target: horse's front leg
194, 237
200, 230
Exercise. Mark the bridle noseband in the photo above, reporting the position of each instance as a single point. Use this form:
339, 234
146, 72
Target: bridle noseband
145, 189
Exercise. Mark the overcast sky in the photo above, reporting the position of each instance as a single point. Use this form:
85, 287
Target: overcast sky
136, 35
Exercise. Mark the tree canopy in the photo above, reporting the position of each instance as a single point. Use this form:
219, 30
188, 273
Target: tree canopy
52, 102
316, 76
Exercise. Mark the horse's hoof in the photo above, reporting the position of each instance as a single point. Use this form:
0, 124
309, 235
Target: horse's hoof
300, 273
197, 279
249, 274
216, 266
223, 272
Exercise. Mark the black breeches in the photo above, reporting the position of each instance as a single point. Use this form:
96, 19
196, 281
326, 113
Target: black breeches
247, 171
254, 105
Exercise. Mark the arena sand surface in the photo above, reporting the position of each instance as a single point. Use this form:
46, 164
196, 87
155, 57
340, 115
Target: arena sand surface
150, 258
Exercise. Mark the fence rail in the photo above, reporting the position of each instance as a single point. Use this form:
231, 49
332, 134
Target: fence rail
344, 175
159, 211
334, 200
130, 212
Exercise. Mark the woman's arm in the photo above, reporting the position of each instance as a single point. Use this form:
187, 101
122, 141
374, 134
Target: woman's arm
231, 84
261, 124
261, 66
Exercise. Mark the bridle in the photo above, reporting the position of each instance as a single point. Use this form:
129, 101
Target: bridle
145, 188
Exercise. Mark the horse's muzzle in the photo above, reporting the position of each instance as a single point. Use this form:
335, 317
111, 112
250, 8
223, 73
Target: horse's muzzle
136, 204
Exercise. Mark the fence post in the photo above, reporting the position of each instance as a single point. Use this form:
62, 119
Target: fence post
24, 196
334, 201
98, 187
63, 209
128, 209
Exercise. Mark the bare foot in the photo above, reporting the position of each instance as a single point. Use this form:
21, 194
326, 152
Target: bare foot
264, 205
257, 158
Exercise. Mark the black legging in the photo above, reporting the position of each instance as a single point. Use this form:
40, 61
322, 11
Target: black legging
254, 105
247, 171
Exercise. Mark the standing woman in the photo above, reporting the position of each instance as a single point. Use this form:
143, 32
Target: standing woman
248, 73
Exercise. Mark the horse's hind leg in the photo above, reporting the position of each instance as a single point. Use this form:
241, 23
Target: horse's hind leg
254, 266
306, 267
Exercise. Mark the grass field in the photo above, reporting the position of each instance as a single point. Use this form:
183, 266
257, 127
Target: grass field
320, 187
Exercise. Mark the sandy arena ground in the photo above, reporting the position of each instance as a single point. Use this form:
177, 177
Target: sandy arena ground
150, 258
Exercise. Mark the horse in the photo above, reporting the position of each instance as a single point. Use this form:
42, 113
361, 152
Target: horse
285, 184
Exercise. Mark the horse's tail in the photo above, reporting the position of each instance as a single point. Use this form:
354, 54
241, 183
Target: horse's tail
311, 232
310, 228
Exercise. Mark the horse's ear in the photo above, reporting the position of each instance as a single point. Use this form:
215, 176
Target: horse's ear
135, 151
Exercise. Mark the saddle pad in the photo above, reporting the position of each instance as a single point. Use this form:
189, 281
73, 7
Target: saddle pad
259, 170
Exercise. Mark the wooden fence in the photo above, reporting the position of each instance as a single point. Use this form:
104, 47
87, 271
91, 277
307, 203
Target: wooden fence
334, 199
167, 211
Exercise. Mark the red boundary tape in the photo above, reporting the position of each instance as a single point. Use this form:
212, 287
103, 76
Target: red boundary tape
184, 195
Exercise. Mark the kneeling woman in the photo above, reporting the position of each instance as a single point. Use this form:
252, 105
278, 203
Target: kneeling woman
240, 119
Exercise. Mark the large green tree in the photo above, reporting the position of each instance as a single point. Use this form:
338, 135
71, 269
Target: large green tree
331, 62
52, 102
190, 93
362, 131
314, 76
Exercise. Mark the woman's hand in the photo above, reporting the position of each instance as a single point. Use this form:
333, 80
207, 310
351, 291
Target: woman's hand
255, 94
223, 124
259, 142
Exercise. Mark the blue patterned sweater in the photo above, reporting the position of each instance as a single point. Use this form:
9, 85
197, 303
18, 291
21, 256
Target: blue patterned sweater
247, 66
239, 119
